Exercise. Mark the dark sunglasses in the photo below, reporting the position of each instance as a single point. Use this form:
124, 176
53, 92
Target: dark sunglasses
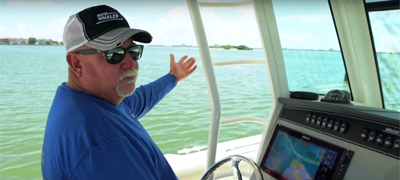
116, 55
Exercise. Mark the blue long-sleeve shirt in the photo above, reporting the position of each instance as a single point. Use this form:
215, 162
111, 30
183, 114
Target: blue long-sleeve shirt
87, 138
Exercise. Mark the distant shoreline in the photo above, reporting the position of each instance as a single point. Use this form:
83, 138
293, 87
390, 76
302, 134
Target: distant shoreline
214, 48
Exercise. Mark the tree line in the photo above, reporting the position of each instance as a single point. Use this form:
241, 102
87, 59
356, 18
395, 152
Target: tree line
33, 41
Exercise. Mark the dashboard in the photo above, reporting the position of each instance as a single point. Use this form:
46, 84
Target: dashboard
325, 141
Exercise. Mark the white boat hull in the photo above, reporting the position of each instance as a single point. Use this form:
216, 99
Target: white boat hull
193, 166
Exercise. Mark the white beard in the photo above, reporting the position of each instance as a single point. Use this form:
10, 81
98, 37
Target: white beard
125, 93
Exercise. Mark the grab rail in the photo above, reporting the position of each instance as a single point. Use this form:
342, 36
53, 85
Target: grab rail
208, 70
243, 119
235, 62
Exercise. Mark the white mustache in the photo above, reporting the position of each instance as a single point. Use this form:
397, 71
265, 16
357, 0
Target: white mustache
131, 73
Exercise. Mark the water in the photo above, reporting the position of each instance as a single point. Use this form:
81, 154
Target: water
30, 75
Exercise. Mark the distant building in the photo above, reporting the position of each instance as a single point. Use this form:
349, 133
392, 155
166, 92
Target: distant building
5, 41
16, 41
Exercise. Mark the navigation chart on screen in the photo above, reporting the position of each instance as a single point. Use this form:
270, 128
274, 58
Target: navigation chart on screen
296, 159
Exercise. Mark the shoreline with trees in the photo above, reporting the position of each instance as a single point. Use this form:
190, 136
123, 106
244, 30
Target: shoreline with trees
228, 47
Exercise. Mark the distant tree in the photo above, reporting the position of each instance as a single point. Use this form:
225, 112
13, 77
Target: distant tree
227, 46
243, 47
32, 40
48, 42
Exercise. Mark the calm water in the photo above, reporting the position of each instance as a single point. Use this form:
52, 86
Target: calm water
30, 75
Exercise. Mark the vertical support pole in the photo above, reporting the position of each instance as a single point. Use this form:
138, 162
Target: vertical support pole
208, 70
269, 34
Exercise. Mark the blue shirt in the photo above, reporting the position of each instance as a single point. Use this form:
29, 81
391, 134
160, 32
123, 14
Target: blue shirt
87, 138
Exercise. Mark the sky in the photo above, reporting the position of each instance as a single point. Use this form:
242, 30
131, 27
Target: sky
302, 25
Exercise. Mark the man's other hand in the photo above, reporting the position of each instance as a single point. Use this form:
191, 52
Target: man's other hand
183, 68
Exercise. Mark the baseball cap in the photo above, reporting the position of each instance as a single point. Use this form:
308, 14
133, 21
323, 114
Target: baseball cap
100, 27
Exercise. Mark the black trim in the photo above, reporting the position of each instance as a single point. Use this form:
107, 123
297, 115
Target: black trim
341, 51
331, 173
382, 6
373, 115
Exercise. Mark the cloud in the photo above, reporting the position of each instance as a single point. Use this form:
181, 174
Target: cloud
177, 26
305, 18
298, 40
38, 3
53, 31
3, 30
130, 18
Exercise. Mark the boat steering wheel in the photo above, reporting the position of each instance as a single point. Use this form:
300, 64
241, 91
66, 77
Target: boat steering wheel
235, 167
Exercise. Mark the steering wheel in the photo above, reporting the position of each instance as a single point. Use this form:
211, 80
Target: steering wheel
235, 167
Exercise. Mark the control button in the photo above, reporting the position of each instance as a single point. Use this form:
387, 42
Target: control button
371, 136
330, 124
324, 122
364, 134
343, 128
379, 139
347, 153
313, 119
336, 126
388, 141
340, 170
396, 144
343, 159
308, 119
319, 119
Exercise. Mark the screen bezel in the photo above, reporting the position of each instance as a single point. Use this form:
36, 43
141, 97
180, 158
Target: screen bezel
280, 128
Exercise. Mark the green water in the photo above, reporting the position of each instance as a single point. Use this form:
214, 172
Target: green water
30, 75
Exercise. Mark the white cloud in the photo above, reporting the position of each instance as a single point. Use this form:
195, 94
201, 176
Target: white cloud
33, 4
130, 18
297, 41
53, 31
305, 18
3, 30
177, 26
174, 28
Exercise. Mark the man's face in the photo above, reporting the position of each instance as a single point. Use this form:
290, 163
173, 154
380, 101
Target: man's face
110, 79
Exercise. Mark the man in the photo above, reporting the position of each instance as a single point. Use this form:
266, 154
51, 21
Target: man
92, 131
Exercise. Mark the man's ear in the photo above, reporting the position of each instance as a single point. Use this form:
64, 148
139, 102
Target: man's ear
74, 62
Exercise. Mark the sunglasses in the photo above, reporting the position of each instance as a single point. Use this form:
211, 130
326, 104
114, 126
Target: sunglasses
116, 55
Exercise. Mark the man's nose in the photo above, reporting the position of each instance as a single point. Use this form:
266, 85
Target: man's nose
128, 62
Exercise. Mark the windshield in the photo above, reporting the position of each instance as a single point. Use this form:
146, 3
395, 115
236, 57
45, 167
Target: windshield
385, 28
311, 49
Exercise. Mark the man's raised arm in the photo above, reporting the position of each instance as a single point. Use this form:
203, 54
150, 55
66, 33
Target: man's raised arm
147, 96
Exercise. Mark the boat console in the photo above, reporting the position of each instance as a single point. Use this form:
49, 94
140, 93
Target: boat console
325, 141
307, 138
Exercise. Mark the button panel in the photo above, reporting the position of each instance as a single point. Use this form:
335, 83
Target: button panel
343, 164
383, 139
327, 123
396, 144
367, 133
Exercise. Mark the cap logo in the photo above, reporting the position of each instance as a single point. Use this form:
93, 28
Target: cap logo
108, 16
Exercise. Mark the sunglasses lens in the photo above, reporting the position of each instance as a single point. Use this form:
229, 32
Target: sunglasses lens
115, 55
136, 52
